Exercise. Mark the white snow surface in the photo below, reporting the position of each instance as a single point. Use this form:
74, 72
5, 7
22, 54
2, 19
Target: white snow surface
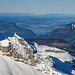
11, 67
61, 56
4, 43
28, 46
17, 36
19, 48
73, 72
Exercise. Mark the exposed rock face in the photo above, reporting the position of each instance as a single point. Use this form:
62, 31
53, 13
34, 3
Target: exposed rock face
10, 51
5, 49
28, 51
55, 51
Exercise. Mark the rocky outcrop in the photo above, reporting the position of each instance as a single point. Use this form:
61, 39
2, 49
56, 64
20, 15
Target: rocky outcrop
43, 63
11, 51
29, 52
29, 58
55, 51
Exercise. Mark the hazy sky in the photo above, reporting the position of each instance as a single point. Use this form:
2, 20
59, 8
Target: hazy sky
38, 6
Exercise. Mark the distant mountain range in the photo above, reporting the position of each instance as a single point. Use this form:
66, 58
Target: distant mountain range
11, 28
16, 14
33, 14
67, 33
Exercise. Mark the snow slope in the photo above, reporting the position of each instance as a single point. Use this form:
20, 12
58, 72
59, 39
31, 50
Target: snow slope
65, 56
19, 48
50, 60
4, 43
11, 67
60, 57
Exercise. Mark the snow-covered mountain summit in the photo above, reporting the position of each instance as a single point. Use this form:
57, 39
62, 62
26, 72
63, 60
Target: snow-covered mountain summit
42, 59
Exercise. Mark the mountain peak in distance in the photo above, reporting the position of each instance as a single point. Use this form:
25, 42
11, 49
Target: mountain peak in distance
71, 25
12, 24
65, 33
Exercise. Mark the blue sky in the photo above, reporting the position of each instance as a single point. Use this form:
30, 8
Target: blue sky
38, 6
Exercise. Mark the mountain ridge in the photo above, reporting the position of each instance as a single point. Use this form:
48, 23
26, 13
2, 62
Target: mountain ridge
47, 59
12, 28
66, 33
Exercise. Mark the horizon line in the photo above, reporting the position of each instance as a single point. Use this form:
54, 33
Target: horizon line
37, 14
